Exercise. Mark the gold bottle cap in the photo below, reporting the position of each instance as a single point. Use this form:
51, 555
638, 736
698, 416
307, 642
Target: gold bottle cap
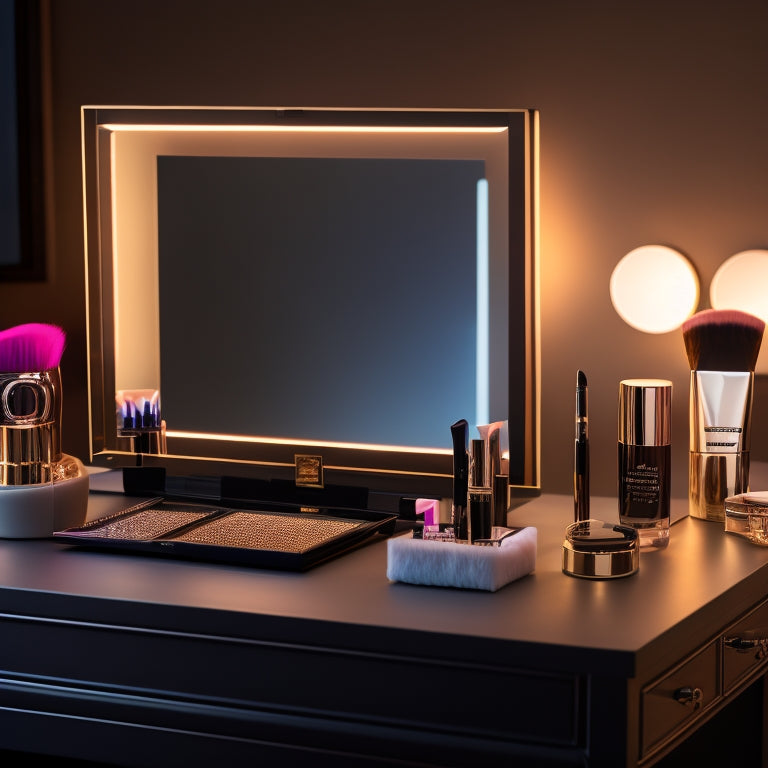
645, 412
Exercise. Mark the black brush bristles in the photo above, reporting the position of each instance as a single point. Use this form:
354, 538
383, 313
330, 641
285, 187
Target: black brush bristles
723, 340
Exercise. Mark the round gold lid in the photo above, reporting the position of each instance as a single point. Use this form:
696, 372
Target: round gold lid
594, 549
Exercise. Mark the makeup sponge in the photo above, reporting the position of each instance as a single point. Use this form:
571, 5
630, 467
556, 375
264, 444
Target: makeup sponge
468, 566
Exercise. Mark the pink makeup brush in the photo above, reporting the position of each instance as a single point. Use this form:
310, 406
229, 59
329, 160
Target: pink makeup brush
31, 347
41, 489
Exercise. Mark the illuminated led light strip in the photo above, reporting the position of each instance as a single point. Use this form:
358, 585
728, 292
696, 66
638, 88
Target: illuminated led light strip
483, 360
291, 441
121, 127
115, 240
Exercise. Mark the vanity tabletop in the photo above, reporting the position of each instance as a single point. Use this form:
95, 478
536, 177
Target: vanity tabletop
702, 581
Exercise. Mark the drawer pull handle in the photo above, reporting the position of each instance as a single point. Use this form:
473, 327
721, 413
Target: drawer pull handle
750, 641
688, 695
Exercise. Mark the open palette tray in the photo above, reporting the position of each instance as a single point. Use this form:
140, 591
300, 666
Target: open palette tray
280, 537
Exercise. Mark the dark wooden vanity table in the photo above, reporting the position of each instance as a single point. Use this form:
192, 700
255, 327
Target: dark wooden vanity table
135, 660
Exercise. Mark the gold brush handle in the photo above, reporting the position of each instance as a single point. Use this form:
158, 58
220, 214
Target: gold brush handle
30, 415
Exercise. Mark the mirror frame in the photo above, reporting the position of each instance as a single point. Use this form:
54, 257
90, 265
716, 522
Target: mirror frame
381, 469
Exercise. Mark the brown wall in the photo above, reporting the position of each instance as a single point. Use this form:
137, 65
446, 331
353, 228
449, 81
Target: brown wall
653, 130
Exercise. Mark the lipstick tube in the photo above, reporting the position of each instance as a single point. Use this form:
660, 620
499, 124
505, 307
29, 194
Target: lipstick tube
480, 494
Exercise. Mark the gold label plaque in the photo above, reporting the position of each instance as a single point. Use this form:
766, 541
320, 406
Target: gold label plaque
309, 471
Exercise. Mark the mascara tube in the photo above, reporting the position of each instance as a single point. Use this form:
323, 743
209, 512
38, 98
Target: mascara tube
581, 452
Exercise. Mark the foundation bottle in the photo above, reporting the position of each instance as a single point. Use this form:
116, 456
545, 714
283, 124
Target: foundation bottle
644, 454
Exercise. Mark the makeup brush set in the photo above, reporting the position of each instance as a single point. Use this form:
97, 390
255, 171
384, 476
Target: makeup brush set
476, 549
41, 488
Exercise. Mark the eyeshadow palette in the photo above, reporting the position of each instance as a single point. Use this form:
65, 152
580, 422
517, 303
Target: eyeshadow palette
286, 538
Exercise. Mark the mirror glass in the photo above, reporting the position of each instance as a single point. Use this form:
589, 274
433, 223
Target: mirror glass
333, 283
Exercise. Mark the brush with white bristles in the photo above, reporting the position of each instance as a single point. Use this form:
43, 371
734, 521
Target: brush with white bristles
722, 348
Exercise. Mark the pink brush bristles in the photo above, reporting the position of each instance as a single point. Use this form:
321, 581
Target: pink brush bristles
31, 347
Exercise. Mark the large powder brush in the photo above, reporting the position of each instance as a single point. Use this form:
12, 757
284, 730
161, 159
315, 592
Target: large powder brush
723, 340
722, 348
30, 355
41, 489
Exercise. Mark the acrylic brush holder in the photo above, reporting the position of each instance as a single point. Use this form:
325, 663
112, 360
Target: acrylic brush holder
36, 511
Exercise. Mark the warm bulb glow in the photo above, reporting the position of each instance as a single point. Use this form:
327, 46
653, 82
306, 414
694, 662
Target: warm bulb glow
654, 289
740, 283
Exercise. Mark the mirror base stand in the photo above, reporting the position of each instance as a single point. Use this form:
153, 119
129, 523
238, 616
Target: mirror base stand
230, 489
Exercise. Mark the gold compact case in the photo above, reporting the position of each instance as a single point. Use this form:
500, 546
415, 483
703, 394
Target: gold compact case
594, 549
746, 514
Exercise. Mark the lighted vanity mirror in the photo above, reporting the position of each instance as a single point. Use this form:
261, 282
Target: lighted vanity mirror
307, 282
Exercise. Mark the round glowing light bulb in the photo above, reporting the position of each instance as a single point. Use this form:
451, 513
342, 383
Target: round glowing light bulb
654, 289
740, 283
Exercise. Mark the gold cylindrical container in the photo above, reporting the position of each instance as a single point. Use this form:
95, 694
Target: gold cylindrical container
30, 418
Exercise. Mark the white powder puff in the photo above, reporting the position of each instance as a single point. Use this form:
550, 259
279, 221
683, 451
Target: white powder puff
444, 564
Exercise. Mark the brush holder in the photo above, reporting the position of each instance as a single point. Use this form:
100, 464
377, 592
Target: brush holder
35, 511
467, 566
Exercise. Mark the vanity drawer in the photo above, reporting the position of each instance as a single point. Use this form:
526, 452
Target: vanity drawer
745, 648
672, 702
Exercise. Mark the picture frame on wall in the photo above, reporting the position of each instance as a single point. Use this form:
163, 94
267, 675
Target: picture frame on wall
22, 209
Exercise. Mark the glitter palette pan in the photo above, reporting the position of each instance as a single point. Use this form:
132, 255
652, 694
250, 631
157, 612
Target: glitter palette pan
290, 538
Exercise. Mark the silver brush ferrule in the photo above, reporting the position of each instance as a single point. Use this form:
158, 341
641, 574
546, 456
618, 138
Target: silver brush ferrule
720, 420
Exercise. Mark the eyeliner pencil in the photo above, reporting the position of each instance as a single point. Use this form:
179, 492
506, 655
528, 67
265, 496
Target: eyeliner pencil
581, 452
